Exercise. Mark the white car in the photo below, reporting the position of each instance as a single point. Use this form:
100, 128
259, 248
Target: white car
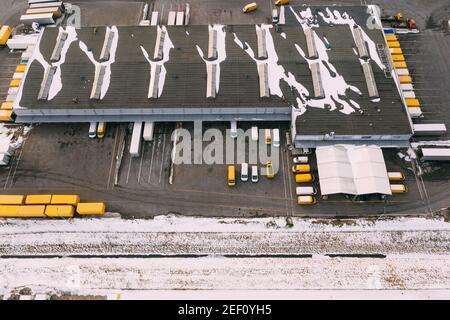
301, 159
233, 129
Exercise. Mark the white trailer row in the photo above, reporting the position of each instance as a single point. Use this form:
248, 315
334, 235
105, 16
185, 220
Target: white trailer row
429, 129
436, 154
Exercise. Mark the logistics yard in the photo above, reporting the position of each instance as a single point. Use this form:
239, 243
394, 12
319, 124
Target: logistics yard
123, 104
62, 156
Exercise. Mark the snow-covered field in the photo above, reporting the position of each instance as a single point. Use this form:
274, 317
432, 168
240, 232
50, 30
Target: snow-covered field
142, 258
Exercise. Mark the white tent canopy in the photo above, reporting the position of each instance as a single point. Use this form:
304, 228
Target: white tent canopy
350, 169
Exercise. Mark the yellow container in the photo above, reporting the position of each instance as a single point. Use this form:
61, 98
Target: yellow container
396, 51
59, 211
405, 79
6, 115
38, 199
91, 208
400, 65
5, 33
34, 211
11, 199
71, 199
15, 83
9, 211
391, 37
397, 57
393, 44
7, 105
304, 177
414, 103
21, 67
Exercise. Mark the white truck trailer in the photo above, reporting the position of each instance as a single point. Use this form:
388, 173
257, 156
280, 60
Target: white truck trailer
436, 154
135, 145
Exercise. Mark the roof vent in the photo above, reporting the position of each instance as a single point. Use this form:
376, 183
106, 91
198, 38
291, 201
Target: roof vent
98, 82
262, 48
154, 81
109, 36
317, 81
159, 46
211, 81
46, 83
56, 54
311, 43
370, 80
212, 45
263, 74
360, 43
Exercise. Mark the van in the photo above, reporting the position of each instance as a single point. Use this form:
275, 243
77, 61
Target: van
275, 16
250, 7
268, 136
399, 188
269, 170
301, 159
254, 174
304, 178
396, 176
276, 138
281, 2
244, 172
233, 129
231, 176
301, 168
101, 129
305, 191
255, 133
93, 130
306, 200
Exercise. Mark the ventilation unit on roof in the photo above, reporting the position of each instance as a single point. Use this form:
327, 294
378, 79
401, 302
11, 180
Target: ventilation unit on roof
159, 46
212, 45
360, 43
56, 54
262, 48
46, 83
317, 81
370, 80
311, 43
263, 74
109, 36
211, 81
154, 81
98, 82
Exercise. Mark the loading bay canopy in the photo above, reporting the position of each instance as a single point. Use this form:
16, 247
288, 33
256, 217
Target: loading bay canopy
354, 170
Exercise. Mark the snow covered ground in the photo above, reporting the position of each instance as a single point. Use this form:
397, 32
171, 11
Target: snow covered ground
143, 258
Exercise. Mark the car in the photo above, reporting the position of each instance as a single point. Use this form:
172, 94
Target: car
101, 129
231, 176
276, 138
275, 18
301, 159
93, 130
250, 7
269, 170
301, 168
255, 177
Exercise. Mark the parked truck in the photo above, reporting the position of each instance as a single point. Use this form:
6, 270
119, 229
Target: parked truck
135, 145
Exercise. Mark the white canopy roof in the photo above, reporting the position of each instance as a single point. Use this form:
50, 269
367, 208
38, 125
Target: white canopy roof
352, 169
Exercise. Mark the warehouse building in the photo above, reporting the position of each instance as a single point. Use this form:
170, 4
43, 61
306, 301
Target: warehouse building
325, 71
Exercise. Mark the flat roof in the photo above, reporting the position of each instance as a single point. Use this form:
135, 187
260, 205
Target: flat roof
186, 79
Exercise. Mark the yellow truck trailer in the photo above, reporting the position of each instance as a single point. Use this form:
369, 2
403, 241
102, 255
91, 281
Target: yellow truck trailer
91, 208
32, 211
71, 199
391, 37
7, 105
15, 83
38, 199
11, 199
7, 115
405, 79
9, 211
59, 211
393, 44
397, 57
21, 67
5, 33
413, 103
400, 65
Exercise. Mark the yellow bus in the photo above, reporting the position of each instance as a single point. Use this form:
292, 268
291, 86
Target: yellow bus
231, 176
